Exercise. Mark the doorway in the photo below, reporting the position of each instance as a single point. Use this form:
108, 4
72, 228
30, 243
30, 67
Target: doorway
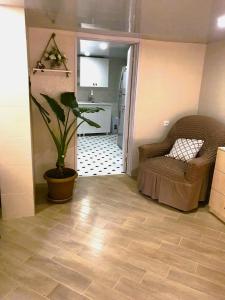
104, 73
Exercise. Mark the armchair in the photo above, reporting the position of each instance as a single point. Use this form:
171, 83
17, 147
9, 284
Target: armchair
176, 183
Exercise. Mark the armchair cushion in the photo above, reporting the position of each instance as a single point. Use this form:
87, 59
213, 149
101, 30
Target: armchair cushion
185, 149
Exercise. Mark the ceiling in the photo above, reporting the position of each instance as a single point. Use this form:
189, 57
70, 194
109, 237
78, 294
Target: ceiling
93, 48
12, 2
173, 20
176, 20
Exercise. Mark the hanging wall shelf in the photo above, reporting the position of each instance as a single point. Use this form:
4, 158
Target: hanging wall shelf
51, 70
55, 58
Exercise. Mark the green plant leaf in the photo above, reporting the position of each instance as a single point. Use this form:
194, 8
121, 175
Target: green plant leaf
41, 108
90, 122
69, 100
47, 120
89, 110
56, 108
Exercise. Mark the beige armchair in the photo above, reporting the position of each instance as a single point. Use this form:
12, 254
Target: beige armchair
176, 183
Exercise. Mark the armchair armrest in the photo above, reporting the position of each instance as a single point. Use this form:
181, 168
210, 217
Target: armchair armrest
153, 150
198, 167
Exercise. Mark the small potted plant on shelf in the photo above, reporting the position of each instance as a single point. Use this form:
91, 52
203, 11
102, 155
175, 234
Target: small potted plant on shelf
61, 179
55, 57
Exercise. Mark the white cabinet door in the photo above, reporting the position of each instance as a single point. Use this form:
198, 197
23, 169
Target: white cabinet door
103, 118
94, 72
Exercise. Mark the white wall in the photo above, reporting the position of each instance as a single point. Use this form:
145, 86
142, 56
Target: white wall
212, 99
17, 196
168, 87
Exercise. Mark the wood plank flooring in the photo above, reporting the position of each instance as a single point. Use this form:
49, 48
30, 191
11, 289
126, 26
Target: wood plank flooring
111, 243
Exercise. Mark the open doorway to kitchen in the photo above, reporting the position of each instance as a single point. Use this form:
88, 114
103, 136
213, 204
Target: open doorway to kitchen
104, 73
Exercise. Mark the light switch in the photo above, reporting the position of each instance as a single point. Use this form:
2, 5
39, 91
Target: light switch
166, 123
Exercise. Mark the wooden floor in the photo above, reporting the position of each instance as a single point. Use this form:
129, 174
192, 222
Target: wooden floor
112, 243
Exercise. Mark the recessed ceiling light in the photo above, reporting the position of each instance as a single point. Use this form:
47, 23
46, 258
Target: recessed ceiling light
87, 53
103, 46
221, 22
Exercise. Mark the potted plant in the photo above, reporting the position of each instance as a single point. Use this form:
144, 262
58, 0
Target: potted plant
60, 179
55, 57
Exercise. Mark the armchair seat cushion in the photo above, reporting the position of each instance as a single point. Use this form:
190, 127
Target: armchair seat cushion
165, 166
163, 178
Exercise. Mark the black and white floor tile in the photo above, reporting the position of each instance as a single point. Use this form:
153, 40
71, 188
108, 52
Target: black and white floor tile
99, 155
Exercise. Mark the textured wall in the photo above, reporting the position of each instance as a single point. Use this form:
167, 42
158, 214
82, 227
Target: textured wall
212, 98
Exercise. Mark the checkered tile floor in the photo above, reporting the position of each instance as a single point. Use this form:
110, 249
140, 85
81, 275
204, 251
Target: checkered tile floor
99, 155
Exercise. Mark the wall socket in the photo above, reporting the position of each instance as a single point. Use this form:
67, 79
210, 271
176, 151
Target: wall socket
166, 123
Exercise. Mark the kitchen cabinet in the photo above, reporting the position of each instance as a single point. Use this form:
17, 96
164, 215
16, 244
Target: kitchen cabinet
217, 197
94, 72
103, 118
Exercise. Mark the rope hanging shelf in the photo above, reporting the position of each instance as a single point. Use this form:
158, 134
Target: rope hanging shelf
58, 59
51, 70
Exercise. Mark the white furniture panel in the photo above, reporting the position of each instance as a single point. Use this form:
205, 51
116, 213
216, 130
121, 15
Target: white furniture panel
217, 197
94, 72
103, 118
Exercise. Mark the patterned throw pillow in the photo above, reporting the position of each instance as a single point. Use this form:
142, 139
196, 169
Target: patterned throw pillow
185, 149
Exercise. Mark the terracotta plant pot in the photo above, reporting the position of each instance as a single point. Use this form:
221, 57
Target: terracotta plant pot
60, 190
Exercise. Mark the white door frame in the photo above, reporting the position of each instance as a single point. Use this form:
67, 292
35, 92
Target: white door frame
130, 109
130, 106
